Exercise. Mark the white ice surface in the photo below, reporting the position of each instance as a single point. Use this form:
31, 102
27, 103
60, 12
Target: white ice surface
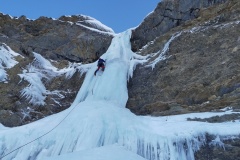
40, 69
94, 25
111, 152
97, 24
98, 118
7, 61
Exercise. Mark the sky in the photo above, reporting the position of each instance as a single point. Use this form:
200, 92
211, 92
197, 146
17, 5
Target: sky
119, 15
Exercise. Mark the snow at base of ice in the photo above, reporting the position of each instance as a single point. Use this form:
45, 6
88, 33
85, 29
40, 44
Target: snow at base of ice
111, 152
94, 124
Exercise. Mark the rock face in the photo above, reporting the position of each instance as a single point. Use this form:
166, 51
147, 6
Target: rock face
63, 38
67, 39
227, 150
193, 79
200, 70
168, 14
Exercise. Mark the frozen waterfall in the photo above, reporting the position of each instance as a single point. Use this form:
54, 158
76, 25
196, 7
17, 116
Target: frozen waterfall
98, 126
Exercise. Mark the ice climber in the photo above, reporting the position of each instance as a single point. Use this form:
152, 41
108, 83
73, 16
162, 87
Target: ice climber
101, 64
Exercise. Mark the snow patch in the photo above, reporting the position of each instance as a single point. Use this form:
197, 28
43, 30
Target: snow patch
92, 24
7, 61
40, 69
97, 24
217, 142
161, 54
94, 29
35, 92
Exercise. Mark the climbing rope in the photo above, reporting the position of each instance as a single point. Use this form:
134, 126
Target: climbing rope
94, 83
41, 135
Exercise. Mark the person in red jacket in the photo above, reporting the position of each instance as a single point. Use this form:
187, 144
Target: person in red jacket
101, 64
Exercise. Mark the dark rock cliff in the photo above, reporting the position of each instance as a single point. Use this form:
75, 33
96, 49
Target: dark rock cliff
64, 40
168, 14
200, 71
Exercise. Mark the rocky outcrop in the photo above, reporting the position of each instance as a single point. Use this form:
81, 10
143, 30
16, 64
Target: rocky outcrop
219, 149
55, 39
167, 15
16, 109
201, 72
87, 22
194, 78
64, 40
